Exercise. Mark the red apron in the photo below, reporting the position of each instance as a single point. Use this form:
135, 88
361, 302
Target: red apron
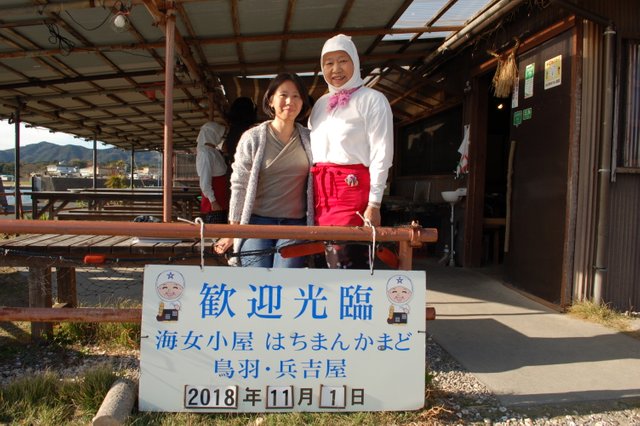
337, 202
220, 186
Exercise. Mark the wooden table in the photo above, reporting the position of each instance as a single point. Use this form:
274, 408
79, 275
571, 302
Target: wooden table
185, 202
42, 252
495, 225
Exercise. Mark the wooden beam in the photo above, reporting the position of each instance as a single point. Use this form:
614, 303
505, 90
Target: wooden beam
47, 315
431, 21
291, 4
103, 92
179, 43
381, 58
36, 53
415, 235
390, 24
78, 79
343, 15
322, 34
235, 20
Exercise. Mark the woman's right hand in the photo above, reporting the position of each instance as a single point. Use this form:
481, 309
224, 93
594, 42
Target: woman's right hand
222, 245
216, 207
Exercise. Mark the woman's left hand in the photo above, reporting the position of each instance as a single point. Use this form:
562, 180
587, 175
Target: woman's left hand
373, 215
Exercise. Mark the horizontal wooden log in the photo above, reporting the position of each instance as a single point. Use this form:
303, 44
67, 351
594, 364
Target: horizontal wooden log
431, 314
414, 234
106, 216
133, 315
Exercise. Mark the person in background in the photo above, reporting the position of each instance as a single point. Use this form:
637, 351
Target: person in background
270, 182
352, 145
242, 116
212, 173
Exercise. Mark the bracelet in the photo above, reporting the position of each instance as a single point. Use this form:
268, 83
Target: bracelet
373, 204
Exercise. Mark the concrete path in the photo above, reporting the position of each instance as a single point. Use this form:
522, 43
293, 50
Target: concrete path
525, 352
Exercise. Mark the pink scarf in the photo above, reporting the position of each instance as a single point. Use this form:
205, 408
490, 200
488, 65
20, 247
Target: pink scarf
340, 98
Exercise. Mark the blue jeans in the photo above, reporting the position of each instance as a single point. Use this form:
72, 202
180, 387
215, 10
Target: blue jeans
269, 259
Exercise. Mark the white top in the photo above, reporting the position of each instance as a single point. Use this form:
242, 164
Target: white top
360, 132
209, 160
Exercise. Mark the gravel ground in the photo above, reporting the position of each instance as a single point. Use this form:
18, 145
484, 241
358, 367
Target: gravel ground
459, 398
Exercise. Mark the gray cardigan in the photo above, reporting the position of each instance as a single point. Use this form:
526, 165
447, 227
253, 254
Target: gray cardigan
246, 172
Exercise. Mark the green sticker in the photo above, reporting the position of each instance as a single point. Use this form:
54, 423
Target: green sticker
527, 114
529, 71
517, 118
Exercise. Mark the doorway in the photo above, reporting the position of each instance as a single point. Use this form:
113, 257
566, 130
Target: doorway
495, 183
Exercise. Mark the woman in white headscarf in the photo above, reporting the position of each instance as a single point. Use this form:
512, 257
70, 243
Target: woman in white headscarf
212, 172
352, 144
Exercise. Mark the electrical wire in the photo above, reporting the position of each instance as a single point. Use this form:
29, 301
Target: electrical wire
109, 14
55, 37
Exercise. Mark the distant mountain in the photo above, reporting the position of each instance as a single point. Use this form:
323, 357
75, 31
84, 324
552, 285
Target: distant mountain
47, 152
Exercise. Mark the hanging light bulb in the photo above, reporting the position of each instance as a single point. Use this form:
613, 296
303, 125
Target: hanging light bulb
120, 21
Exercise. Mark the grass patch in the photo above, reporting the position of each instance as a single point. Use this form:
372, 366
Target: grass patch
108, 335
48, 399
601, 314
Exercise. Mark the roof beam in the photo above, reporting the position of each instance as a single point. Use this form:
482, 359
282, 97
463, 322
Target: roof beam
228, 40
291, 4
390, 24
102, 92
432, 21
235, 20
270, 65
181, 46
345, 12
323, 34
79, 79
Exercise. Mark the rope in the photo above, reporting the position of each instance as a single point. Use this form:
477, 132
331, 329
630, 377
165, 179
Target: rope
195, 222
372, 247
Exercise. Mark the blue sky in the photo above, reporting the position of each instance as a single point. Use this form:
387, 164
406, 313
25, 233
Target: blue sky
35, 135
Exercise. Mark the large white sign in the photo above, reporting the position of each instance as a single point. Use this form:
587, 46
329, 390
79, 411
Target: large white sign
223, 339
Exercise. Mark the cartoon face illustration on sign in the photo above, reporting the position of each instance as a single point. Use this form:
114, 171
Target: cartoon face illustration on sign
399, 293
169, 286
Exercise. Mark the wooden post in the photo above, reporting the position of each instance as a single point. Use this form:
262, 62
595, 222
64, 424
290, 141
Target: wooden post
94, 180
40, 297
406, 256
170, 42
17, 195
66, 280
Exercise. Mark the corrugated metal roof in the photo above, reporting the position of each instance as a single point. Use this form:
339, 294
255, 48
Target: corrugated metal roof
68, 69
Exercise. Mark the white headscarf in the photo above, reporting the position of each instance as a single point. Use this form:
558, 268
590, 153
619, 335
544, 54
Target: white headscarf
209, 161
343, 42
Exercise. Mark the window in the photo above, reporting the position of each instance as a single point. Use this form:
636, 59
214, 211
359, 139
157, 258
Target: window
629, 147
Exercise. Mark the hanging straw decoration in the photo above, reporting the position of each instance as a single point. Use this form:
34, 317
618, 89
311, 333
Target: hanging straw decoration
506, 72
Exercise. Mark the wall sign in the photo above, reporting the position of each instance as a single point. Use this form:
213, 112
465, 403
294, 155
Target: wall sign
553, 72
223, 339
529, 74
517, 118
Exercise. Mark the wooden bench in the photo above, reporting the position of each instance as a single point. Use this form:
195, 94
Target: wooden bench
127, 216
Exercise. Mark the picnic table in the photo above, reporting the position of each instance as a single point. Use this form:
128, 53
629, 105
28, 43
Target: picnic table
43, 252
103, 244
185, 202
